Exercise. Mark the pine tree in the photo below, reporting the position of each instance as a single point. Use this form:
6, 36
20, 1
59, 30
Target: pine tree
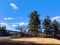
55, 26
3, 31
34, 22
46, 25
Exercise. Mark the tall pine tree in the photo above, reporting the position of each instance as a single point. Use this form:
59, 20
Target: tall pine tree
46, 25
55, 26
34, 23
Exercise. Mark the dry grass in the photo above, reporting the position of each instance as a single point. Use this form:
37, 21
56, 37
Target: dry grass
35, 40
39, 40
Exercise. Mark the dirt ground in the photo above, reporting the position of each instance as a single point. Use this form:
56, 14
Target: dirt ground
29, 41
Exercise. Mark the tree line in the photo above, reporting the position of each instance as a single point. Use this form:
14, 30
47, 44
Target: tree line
35, 24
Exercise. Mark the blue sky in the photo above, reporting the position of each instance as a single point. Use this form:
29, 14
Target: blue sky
15, 12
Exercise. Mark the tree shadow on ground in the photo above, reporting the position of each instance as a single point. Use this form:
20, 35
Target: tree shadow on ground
21, 43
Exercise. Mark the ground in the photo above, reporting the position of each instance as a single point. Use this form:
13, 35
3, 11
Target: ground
29, 41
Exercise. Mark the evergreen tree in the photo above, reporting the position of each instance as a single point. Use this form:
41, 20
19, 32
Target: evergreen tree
3, 28
34, 23
55, 26
3, 31
46, 25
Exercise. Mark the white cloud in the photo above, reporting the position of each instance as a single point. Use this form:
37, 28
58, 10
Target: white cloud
14, 6
20, 23
20, 17
2, 23
23, 23
14, 25
8, 18
8, 26
56, 17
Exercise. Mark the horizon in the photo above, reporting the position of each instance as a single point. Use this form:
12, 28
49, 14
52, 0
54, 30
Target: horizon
15, 13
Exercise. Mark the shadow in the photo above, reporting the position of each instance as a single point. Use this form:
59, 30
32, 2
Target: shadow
18, 43
21, 43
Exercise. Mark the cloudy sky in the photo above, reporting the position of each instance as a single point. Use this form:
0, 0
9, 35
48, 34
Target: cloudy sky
15, 12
